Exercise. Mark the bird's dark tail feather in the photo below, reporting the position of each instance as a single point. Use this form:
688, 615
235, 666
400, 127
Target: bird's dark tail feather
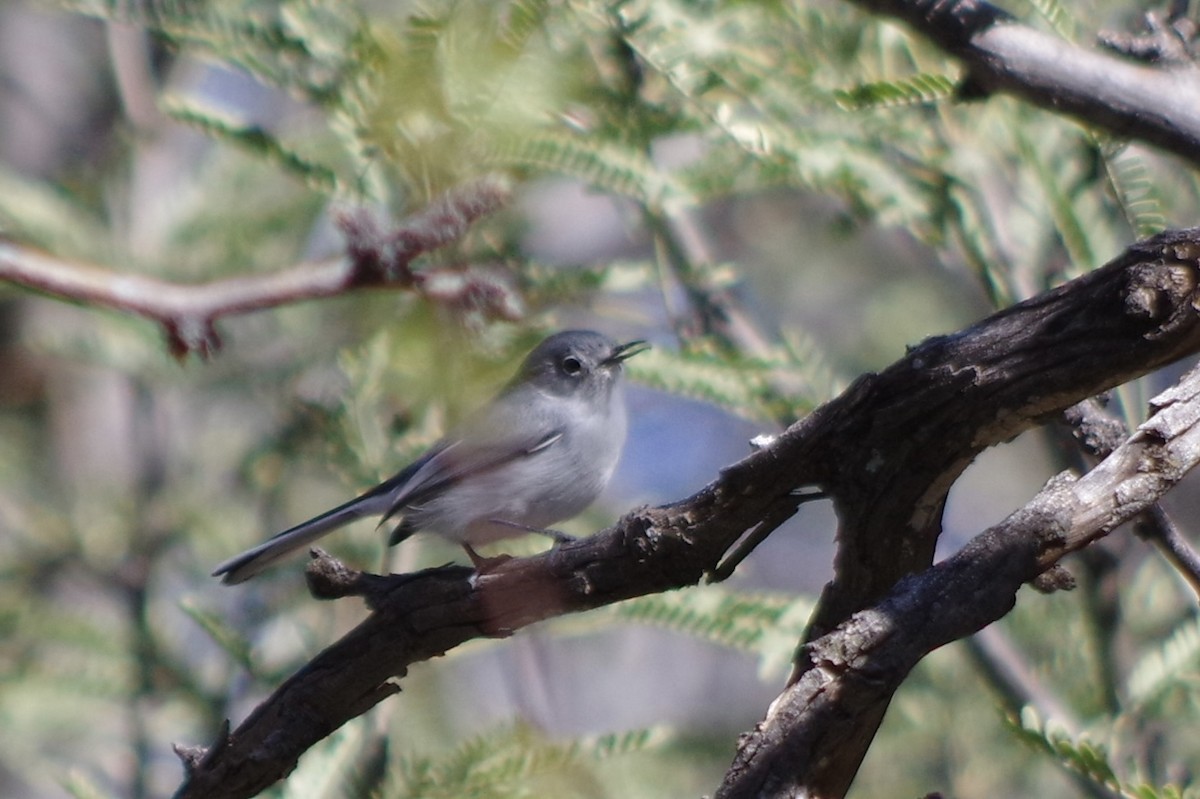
244, 566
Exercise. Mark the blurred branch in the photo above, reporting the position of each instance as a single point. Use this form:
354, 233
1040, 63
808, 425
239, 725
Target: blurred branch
887, 450
1158, 104
716, 310
1019, 687
129, 52
1016, 682
375, 258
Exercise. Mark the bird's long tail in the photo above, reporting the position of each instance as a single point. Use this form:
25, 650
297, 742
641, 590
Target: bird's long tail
244, 566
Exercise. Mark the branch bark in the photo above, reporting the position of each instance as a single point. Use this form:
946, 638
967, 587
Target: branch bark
887, 451
188, 313
1158, 104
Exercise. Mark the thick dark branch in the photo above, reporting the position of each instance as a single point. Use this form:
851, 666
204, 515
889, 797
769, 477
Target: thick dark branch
898, 440
188, 313
860, 664
930, 414
1159, 104
887, 451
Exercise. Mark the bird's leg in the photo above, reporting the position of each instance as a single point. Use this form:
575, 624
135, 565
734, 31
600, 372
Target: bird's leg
558, 536
482, 563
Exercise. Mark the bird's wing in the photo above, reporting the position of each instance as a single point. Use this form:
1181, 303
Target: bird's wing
480, 447
502, 432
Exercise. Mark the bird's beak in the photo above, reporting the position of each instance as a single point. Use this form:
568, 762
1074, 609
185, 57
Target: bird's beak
623, 352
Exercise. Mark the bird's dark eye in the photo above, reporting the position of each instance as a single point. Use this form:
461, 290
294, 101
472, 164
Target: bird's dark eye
571, 365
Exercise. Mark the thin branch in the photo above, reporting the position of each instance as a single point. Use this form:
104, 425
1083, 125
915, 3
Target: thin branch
375, 258
129, 54
682, 247
1160, 529
886, 451
1158, 104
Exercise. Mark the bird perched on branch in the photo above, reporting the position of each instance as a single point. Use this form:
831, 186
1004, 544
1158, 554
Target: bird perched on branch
538, 453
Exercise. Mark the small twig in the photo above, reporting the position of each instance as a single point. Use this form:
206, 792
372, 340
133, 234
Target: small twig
1160, 529
748, 543
1165, 40
329, 579
1097, 431
188, 313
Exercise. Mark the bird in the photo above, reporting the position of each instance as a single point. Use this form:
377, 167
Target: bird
537, 454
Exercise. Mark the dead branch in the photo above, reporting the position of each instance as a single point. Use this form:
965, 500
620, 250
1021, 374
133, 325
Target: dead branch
375, 258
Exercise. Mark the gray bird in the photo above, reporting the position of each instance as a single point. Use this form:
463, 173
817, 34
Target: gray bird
539, 453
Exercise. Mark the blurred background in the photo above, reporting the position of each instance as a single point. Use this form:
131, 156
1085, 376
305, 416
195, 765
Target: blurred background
800, 163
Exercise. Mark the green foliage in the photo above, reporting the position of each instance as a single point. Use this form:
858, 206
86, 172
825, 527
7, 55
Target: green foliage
1107, 746
1173, 664
603, 165
1134, 187
218, 629
331, 769
765, 625
449, 86
909, 91
788, 385
258, 141
547, 286
309, 48
1078, 754
1057, 16
45, 215
79, 787
424, 101
1090, 761
516, 761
